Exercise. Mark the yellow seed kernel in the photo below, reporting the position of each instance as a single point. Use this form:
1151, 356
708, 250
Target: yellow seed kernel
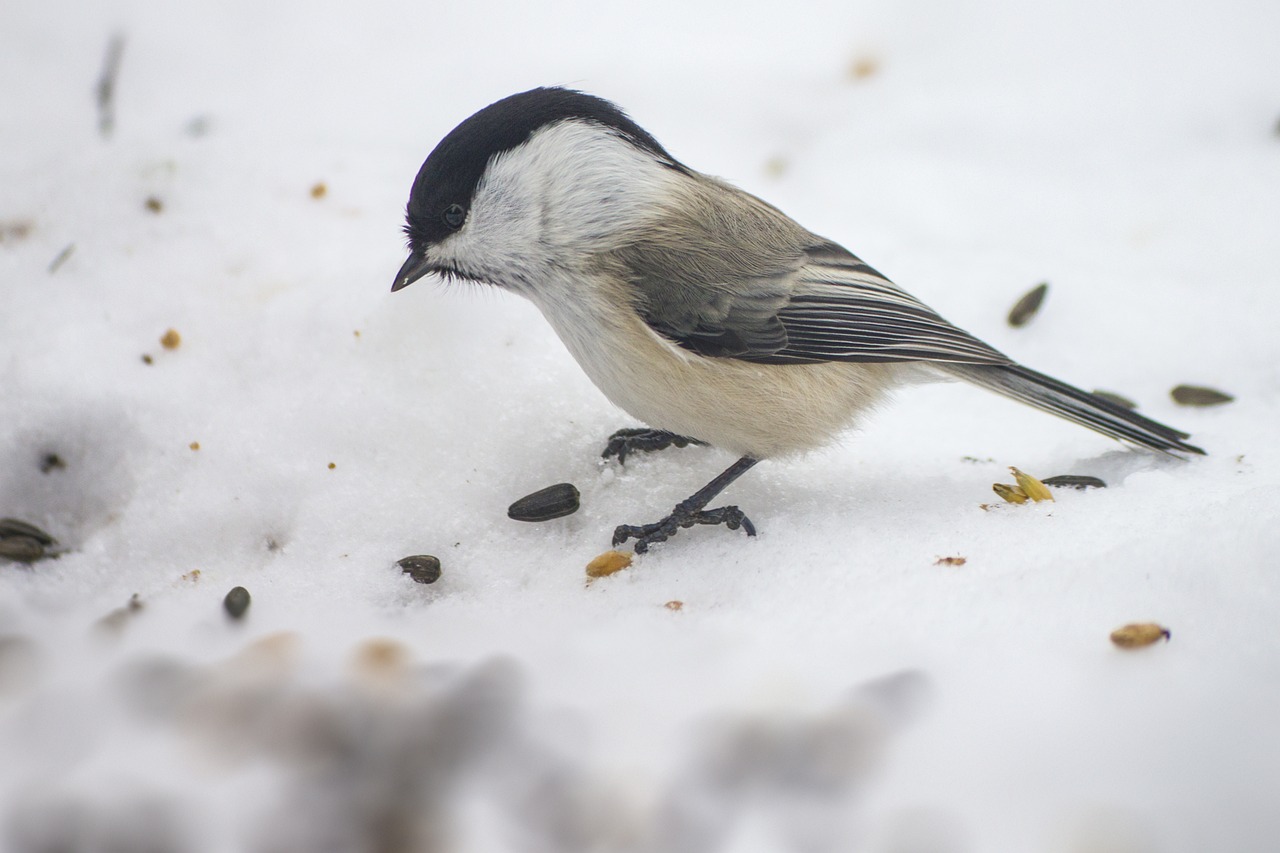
1031, 487
1011, 494
608, 563
171, 339
1139, 634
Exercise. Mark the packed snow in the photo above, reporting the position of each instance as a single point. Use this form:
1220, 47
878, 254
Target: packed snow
834, 683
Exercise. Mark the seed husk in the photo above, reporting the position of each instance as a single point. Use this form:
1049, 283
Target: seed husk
1011, 494
1074, 481
423, 568
1031, 487
51, 462
236, 602
1139, 634
545, 504
608, 563
1113, 397
951, 561
1196, 395
17, 527
115, 621
21, 549
1026, 307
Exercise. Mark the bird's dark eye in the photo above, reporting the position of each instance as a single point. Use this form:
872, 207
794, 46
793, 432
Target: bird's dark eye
454, 215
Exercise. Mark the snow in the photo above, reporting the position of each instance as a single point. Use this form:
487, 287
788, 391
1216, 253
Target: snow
827, 685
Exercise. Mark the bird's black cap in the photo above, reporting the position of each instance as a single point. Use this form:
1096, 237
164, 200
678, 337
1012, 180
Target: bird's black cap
451, 172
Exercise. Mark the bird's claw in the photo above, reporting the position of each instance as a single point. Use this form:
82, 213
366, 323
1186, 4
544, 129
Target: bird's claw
660, 531
627, 441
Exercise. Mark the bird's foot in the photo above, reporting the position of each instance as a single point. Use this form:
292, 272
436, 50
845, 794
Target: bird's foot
660, 531
626, 441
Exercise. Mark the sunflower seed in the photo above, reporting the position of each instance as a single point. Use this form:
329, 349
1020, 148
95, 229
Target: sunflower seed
236, 602
1074, 481
1195, 395
423, 568
21, 549
1026, 307
545, 504
16, 527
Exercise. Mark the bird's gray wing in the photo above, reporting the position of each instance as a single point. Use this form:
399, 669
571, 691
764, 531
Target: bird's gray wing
816, 303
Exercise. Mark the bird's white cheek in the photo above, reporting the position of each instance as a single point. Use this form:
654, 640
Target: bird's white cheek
496, 255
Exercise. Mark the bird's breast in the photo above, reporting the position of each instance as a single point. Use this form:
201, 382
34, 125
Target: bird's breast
746, 408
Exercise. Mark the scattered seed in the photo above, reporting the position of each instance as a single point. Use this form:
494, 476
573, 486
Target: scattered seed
863, 67
147, 359
674, 605
1074, 481
21, 549
51, 462
118, 618
545, 504
171, 339
154, 204
951, 561
15, 231
106, 87
198, 126
319, 190
333, 465
195, 445
381, 659
423, 568
236, 602
17, 527
61, 258
1011, 494
1118, 399
1026, 307
776, 167
1031, 487
1139, 634
608, 563
1195, 395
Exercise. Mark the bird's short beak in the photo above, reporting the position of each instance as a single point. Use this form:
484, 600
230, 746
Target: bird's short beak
414, 268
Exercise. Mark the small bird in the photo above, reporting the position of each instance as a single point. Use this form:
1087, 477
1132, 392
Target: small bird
699, 309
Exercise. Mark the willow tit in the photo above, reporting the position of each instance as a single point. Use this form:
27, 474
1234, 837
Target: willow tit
699, 309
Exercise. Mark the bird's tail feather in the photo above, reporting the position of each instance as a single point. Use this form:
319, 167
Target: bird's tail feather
1058, 398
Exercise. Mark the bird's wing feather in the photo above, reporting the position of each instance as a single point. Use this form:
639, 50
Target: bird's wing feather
723, 290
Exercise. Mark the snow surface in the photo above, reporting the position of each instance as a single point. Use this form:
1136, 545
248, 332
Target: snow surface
827, 685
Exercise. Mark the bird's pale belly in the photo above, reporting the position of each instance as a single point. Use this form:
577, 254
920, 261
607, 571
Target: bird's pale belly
748, 409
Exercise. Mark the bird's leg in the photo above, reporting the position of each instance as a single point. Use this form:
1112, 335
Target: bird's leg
691, 511
625, 441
